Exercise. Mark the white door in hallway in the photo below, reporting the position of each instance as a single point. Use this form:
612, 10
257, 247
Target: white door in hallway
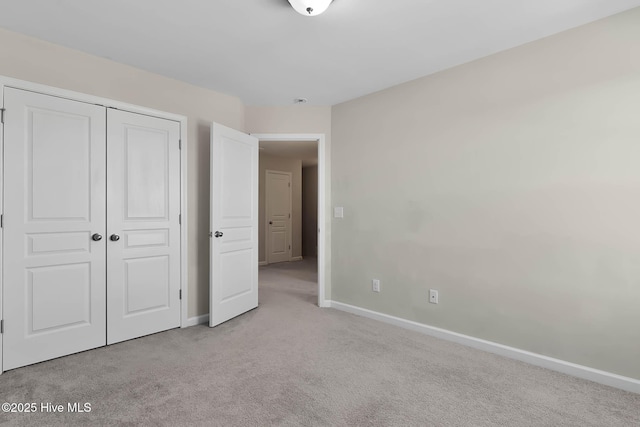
54, 227
278, 216
234, 224
143, 228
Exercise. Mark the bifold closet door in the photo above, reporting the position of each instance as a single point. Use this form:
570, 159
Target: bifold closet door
54, 227
143, 229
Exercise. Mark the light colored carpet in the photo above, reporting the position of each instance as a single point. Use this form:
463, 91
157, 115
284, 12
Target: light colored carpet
293, 364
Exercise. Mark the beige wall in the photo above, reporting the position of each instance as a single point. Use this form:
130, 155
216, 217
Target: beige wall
298, 119
274, 163
309, 211
33, 60
512, 185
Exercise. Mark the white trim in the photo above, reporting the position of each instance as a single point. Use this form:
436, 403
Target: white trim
184, 230
267, 229
580, 371
111, 103
91, 99
196, 320
296, 258
322, 175
262, 263
326, 304
1, 229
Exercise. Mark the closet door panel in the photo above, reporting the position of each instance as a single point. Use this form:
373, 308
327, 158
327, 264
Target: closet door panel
54, 270
143, 251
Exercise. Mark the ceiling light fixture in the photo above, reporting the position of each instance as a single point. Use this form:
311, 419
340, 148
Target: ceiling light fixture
310, 7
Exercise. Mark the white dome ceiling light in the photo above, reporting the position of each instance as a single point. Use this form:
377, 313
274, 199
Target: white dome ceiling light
310, 7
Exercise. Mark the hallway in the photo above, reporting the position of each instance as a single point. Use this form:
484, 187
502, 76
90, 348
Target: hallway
286, 280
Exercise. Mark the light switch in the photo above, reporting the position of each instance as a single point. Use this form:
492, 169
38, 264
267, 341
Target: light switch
338, 212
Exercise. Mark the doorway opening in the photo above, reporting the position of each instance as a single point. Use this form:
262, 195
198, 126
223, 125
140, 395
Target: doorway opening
292, 206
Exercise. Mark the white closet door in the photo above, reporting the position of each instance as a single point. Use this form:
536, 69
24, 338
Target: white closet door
234, 223
278, 213
143, 241
54, 272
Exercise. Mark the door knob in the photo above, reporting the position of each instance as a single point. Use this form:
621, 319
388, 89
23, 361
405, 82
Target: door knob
96, 237
218, 234
270, 222
114, 238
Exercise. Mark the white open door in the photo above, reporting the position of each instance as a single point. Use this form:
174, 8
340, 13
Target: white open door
234, 224
54, 227
143, 228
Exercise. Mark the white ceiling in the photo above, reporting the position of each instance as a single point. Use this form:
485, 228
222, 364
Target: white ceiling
267, 54
307, 151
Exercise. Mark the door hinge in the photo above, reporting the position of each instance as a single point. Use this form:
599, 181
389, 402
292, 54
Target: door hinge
2, 115
289, 216
289, 247
2, 326
179, 144
180, 293
1, 221
289, 184
180, 219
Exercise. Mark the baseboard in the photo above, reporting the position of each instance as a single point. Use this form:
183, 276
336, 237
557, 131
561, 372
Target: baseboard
584, 372
295, 258
196, 320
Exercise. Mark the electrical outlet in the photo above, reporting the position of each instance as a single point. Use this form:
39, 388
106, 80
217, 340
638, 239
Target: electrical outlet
433, 296
375, 285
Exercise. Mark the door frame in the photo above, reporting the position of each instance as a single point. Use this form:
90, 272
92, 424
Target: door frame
323, 251
267, 233
108, 103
